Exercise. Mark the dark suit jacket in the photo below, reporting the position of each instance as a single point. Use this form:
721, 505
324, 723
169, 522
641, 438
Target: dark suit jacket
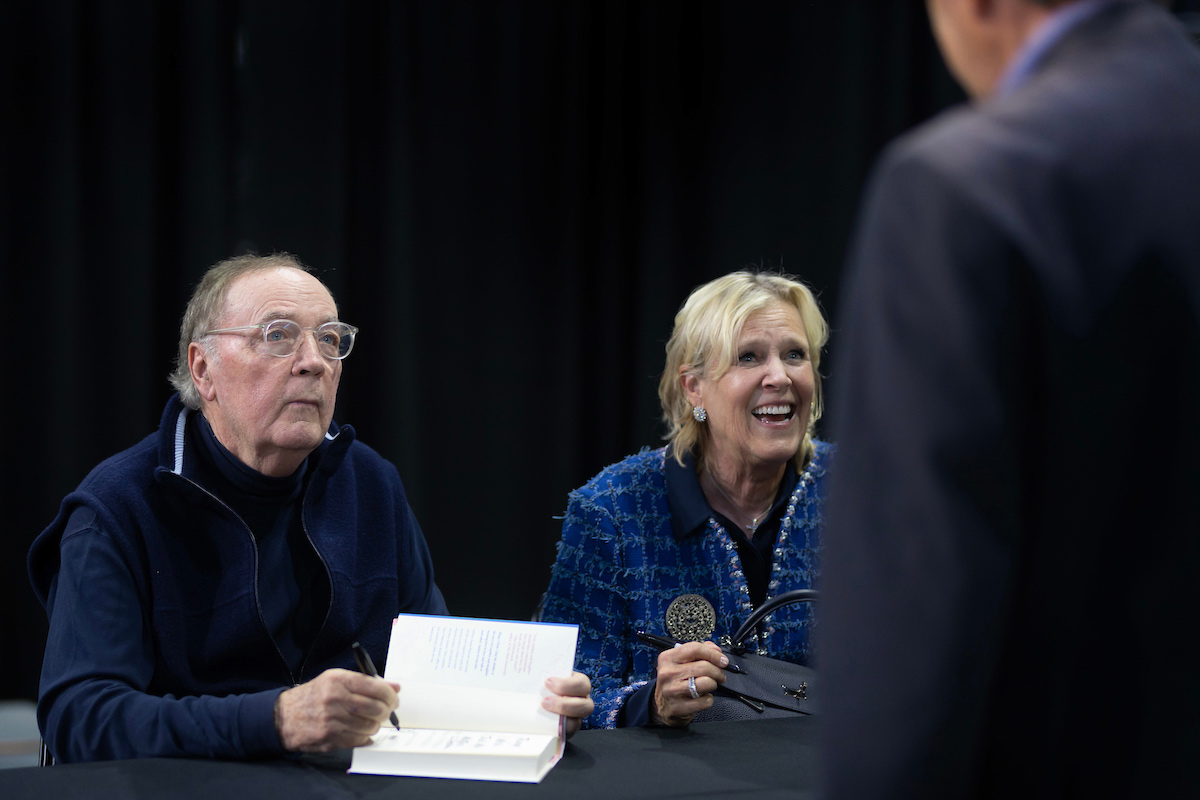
1012, 565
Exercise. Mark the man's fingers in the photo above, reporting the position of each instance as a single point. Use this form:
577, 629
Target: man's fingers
570, 697
337, 709
577, 707
576, 685
361, 695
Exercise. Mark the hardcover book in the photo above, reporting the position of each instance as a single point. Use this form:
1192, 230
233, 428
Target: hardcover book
471, 699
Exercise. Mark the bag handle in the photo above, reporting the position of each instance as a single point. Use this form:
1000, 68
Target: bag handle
785, 599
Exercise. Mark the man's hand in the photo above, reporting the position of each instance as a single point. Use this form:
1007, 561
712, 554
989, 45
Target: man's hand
571, 697
673, 702
336, 709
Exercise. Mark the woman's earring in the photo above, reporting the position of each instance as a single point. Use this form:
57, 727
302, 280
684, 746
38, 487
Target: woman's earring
699, 414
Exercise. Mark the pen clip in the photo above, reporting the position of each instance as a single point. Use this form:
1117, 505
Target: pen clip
363, 659
750, 701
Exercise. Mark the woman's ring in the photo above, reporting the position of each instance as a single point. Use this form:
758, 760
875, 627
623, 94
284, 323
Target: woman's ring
692, 688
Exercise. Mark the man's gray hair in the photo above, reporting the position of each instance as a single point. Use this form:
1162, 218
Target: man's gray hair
206, 306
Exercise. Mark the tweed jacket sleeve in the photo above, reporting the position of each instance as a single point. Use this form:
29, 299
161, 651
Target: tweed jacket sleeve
586, 588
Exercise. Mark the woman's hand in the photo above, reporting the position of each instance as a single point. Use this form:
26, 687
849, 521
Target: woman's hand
571, 697
676, 698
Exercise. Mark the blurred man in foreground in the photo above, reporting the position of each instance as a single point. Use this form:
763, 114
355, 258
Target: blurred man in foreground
1013, 542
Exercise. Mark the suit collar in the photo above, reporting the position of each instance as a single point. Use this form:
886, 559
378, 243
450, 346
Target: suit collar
1056, 27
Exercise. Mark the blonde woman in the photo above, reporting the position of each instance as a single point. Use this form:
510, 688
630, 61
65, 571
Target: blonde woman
728, 514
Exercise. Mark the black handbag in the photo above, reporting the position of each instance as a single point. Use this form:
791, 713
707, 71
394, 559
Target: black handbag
762, 687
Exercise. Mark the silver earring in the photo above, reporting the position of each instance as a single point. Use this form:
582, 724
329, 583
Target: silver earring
699, 414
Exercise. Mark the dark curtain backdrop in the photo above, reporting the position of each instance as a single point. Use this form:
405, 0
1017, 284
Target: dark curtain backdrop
511, 199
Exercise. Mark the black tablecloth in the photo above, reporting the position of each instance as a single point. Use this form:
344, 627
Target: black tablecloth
764, 758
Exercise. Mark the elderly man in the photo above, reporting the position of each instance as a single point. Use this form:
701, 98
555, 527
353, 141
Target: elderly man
1013, 538
205, 586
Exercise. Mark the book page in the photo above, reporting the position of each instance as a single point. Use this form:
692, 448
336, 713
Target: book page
472, 674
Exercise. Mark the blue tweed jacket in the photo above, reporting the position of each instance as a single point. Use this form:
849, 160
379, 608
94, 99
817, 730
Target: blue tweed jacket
620, 564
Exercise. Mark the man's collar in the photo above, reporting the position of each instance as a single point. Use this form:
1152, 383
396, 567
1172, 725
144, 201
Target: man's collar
1052, 29
240, 475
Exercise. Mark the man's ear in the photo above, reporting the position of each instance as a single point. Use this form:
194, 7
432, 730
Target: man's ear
201, 368
986, 9
976, 11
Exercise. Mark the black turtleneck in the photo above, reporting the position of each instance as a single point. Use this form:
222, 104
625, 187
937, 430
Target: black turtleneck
293, 591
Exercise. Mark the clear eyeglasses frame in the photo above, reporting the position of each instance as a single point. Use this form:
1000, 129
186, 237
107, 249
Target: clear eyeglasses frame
282, 337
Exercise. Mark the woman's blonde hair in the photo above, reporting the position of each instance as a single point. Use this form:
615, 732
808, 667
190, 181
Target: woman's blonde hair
705, 338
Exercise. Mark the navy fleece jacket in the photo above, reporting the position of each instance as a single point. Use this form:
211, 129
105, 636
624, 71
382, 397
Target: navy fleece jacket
157, 645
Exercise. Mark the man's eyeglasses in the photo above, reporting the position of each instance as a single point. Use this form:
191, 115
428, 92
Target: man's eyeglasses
281, 337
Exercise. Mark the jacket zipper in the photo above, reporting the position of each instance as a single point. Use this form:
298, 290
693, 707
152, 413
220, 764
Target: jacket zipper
254, 546
329, 579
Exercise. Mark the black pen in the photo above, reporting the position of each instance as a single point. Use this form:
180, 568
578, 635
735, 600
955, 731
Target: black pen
666, 643
367, 667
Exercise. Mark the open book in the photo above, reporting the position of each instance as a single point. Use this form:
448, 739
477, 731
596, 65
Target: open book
471, 699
